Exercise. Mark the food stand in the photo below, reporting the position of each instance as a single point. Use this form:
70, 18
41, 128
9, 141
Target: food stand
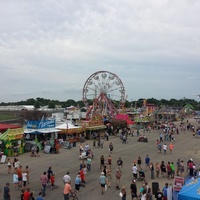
95, 124
70, 132
12, 141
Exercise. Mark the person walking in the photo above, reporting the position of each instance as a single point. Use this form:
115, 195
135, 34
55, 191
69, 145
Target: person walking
102, 162
49, 173
118, 177
9, 164
111, 147
109, 162
159, 195
171, 146
163, 169
44, 181
182, 169
109, 178
139, 162
149, 194
172, 169
89, 163
123, 192
67, 190
135, 171
169, 170
152, 170
6, 192
119, 163
28, 174
27, 194
52, 180
161, 137
82, 176
24, 178
159, 147
102, 182
147, 162
157, 169
67, 178
164, 148
164, 191
133, 189
19, 173
77, 182
15, 181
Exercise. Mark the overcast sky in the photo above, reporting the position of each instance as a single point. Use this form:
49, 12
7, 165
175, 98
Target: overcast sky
50, 48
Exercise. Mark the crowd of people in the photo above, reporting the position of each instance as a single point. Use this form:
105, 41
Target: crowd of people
110, 171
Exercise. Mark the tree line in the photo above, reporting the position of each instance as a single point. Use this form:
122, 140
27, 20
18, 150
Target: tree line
39, 102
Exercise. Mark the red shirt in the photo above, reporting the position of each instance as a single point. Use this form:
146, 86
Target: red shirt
168, 167
26, 195
19, 173
82, 176
52, 179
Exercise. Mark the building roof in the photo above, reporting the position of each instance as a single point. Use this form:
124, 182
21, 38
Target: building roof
4, 127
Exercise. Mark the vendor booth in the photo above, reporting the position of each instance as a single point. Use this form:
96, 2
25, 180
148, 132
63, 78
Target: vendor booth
190, 191
40, 131
126, 118
96, 124
70, 132
12, 142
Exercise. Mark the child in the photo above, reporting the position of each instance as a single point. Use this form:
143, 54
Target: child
52, 179
15, 180
9, 165
24, 178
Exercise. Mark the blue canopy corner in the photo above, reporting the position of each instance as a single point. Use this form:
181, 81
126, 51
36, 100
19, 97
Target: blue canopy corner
190, 191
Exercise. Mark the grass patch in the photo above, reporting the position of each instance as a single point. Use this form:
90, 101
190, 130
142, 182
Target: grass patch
7, 117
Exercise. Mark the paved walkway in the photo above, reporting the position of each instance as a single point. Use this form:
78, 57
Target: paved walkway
185, 147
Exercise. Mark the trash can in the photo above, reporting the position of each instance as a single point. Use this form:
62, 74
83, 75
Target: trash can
74, 143
155, 187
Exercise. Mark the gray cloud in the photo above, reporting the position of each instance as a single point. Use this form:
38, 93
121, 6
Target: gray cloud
54, 46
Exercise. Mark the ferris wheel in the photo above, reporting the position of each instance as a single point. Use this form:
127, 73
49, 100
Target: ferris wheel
104, 89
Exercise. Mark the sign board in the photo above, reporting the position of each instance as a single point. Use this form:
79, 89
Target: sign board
178, 183
41, 124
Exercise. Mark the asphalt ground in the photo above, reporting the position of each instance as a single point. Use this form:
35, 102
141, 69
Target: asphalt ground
185, 147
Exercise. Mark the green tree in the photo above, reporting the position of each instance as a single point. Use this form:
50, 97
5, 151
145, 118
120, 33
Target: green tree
51, 105
30, 101
37, 105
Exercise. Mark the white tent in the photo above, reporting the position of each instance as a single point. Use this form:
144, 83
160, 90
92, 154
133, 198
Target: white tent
66, 126
40, 131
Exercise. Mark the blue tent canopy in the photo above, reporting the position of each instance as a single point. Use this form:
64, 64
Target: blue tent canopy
190, 191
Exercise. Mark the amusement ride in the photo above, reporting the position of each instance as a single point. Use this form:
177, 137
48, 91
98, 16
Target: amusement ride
103, 93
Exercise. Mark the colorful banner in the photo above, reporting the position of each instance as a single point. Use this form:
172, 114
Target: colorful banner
41, 124
178, 183
12, 134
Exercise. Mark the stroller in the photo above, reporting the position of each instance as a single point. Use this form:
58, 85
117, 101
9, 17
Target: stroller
141, 176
